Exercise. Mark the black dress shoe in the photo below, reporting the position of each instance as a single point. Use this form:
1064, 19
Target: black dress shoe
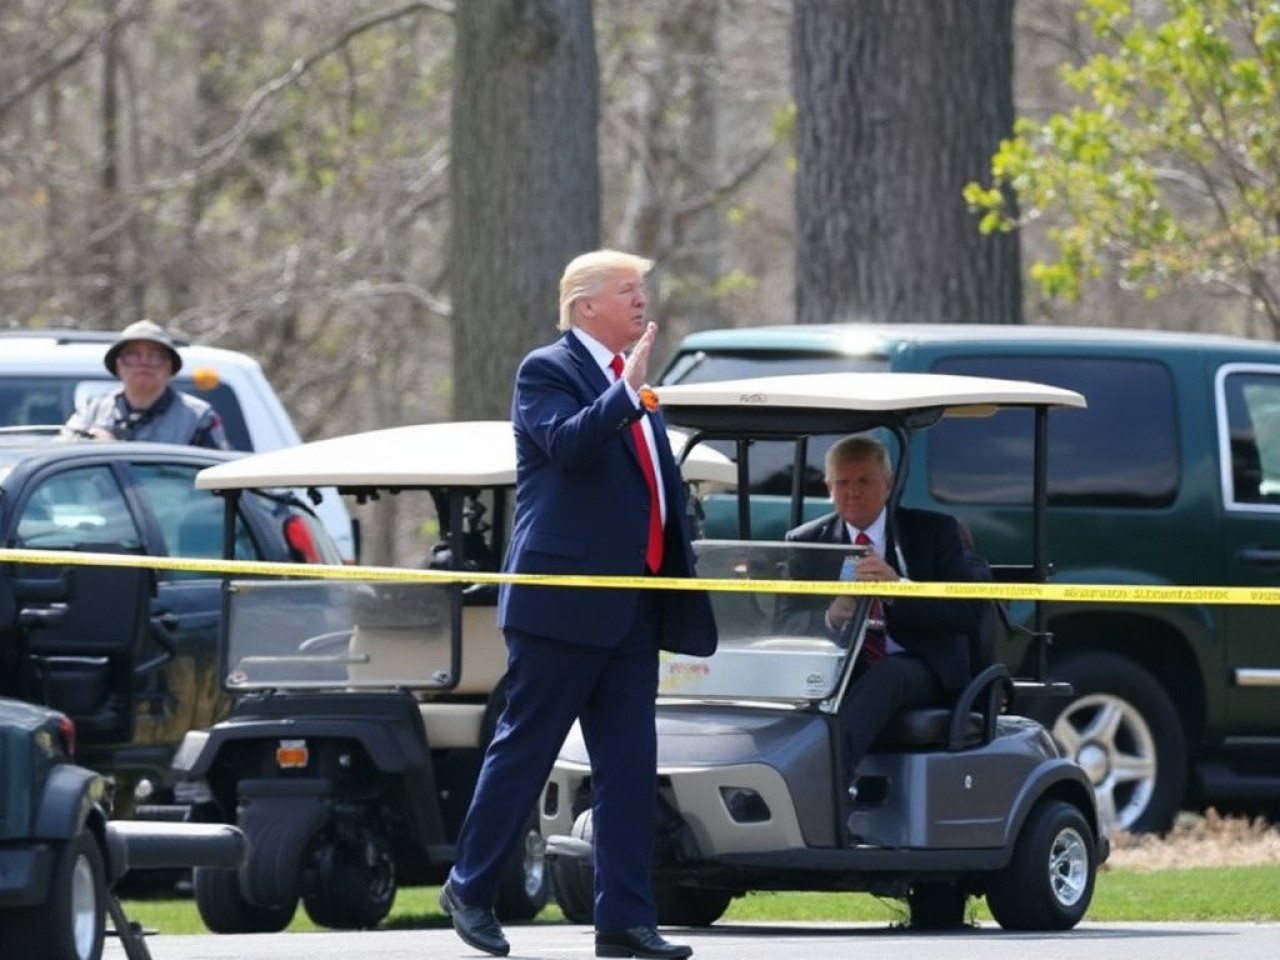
639, 942
476, 926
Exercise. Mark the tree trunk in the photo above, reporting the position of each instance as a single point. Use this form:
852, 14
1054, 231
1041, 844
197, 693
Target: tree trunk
899, 104
525, 183
105, 251
672, 211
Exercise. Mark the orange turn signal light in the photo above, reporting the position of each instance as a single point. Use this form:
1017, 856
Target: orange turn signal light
205, 378
292, 754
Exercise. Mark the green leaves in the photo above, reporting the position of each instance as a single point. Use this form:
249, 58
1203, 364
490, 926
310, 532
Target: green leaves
1168, 169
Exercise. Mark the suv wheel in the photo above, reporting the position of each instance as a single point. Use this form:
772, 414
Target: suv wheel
1123, 730
71, 923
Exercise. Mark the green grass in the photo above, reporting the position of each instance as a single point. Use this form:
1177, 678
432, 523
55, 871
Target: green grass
1242, 894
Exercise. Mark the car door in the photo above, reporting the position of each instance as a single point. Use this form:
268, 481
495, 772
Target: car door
1248, 411
187, 612
80, 627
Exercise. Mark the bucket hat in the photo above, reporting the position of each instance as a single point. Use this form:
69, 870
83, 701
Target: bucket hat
144, 331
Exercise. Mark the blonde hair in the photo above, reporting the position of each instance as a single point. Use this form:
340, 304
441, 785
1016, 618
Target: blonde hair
586, 273
856, 448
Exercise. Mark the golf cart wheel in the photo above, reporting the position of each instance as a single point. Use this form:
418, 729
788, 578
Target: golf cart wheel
71, 923
523, 886
689, 906
937, 906
350, 886
224, 910
1048, 883
573, 882
1123, 730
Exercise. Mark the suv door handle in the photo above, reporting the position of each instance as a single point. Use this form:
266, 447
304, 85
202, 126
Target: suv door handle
48, 616
1260, 556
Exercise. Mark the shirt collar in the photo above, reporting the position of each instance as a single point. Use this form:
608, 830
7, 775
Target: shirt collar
599, 352
875, 532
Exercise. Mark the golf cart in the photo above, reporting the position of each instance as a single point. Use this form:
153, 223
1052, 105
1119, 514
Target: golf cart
362, 706
952, 802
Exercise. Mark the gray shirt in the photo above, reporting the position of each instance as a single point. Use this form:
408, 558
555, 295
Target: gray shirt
174, 418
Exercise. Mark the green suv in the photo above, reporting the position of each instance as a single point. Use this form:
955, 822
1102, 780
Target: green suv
1170, 477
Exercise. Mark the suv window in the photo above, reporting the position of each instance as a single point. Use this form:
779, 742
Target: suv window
699, 367
1120, 451
50, 401
1251, 399
76, 508
771, 461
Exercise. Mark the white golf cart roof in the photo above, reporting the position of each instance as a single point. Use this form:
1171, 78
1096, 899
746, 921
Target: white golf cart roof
869, 392
474, 453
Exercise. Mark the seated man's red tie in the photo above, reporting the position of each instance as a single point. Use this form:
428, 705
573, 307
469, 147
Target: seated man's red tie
873, 648
653, 553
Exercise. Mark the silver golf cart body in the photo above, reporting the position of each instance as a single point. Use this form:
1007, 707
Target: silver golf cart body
955, 801
363, 703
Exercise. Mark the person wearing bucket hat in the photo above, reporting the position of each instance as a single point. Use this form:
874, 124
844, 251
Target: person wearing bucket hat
145, 407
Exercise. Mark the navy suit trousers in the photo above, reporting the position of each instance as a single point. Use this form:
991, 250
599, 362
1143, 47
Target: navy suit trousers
611, 691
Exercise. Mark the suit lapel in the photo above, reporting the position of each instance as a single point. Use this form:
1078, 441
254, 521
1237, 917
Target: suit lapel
585, 365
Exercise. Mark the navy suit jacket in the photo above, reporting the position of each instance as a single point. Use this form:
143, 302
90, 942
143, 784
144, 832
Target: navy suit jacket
582, 507
935, 630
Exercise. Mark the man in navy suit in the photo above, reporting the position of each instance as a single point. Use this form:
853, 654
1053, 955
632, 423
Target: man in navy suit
918, 652
597, 493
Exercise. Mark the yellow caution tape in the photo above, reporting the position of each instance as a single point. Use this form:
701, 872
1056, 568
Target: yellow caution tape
1080, 593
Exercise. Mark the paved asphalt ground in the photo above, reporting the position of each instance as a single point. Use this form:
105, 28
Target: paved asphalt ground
1089, 941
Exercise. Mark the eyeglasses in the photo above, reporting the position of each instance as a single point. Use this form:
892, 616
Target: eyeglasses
144, 358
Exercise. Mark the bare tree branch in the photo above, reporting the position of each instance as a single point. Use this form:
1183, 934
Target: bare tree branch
219, 152
35, 81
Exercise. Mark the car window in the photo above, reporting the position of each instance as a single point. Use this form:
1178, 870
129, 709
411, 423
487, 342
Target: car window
1120, 451
31, 400
699, 367
1251, 400
190, 520
772, 462
221, 397
78, 508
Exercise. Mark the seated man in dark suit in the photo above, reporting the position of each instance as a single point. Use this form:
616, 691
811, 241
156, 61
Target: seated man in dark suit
916, 650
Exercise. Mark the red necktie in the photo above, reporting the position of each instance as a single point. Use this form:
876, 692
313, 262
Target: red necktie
653, 554
873, 649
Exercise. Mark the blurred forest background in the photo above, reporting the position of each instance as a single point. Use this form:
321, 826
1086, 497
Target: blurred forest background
311, 181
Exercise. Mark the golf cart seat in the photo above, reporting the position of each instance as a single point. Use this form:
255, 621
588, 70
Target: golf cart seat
971, 720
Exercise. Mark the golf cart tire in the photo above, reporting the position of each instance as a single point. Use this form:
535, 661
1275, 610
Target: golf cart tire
523, 886
1124, 688
937, 905
71, 923
572, 880
689, 906
224, 910
1048, 883
349, 889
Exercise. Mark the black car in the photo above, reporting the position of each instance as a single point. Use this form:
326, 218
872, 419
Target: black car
129, 654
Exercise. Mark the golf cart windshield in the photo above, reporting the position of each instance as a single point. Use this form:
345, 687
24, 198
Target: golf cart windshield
339, 634
773, 645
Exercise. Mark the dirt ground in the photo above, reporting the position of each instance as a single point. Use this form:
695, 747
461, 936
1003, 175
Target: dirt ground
1208, 840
